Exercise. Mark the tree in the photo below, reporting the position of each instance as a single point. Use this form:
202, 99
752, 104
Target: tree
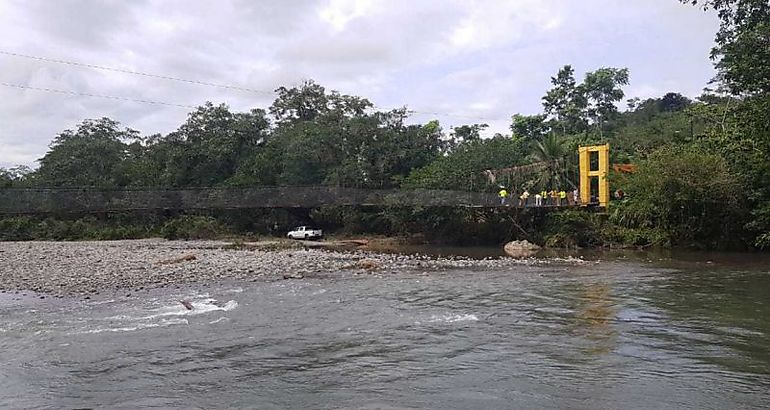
87, 157
463, 167
688, 193
310, 100
742, 50
603, 89
14, 177
672, 102
384, 150
530, 127
210, 146
302, 103
552, 151
464, 133
566, 102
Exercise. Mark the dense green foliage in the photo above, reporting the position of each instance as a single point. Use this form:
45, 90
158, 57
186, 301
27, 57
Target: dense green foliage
702, 179
689, 194
461, 168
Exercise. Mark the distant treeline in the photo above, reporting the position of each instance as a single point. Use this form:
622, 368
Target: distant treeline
702, 179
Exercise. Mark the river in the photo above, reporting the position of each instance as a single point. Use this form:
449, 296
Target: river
614, 331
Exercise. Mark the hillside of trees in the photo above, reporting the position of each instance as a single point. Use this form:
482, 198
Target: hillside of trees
702, 179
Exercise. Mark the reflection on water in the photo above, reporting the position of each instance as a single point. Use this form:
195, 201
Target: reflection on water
595, 315
621, 331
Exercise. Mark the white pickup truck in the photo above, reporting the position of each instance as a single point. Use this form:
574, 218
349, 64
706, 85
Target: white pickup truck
304, 232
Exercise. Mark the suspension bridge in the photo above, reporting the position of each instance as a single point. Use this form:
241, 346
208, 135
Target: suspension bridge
73, 200
89, 200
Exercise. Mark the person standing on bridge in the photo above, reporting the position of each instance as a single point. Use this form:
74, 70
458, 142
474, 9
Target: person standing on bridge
554, 197
562, 197
539, 199
576, 196
503, 194
524, 198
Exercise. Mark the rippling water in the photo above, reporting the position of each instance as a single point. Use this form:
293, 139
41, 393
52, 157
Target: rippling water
603, 334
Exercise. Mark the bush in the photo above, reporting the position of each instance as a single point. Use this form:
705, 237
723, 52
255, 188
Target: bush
572, 228
619, 236
687, 194
193, 227
21, 228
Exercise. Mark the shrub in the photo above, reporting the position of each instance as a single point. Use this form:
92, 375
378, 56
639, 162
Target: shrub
572, 228
21, 228
688, 194
193, 227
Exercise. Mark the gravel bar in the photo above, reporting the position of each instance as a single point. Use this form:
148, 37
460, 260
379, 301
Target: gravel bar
82, 269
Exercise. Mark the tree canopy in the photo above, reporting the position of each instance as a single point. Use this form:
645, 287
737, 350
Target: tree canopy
703, 163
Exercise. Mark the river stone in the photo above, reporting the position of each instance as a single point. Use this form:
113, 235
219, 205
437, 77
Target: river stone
520, 249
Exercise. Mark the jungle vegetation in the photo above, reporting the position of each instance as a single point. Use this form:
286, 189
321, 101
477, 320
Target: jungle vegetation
702, 179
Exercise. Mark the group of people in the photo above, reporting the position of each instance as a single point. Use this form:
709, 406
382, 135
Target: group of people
554, 197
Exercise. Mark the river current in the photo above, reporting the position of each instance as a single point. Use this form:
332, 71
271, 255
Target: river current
607, 332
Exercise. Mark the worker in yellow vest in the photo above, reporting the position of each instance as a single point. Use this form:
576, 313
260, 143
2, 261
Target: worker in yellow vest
562, 197
503, 194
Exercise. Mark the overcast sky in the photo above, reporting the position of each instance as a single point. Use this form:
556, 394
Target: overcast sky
468, 61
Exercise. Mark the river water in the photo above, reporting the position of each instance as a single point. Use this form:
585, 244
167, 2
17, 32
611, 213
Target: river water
614, 331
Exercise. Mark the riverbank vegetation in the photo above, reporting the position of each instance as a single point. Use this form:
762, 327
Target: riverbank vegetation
702, 174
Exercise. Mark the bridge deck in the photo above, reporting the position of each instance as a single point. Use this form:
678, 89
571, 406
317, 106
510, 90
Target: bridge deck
54, 200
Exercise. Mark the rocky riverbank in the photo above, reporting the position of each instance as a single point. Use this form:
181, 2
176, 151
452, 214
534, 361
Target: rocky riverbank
83, 269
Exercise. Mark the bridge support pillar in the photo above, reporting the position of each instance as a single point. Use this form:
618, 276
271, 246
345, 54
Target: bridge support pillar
586, 173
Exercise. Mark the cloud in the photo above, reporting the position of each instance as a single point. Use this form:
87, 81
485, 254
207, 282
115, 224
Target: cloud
461, 61
493, 24
337, 13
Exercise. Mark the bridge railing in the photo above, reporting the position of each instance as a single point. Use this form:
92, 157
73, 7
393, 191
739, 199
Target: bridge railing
53, 200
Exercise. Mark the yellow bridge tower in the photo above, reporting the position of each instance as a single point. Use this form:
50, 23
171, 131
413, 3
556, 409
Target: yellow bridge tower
586, 173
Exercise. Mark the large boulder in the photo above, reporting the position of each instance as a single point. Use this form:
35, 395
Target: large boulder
520, 249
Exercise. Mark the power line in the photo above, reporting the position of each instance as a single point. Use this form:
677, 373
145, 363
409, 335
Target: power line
155, 102
470, 117
205, 83
110, 97
439, 114
121, 70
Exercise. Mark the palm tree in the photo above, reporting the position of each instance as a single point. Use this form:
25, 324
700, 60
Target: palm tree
553, 152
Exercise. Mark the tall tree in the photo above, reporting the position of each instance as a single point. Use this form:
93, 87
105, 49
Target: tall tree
310, 100
565, 102
90, 156
530, 127
464, 133
742, 49
672, 102
603, 89
552, 150
740, 128
207, 149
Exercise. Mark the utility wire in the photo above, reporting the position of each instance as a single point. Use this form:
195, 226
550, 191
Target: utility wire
109, 97
184, 80
155, 102
470, 117
439, 114
121, 70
